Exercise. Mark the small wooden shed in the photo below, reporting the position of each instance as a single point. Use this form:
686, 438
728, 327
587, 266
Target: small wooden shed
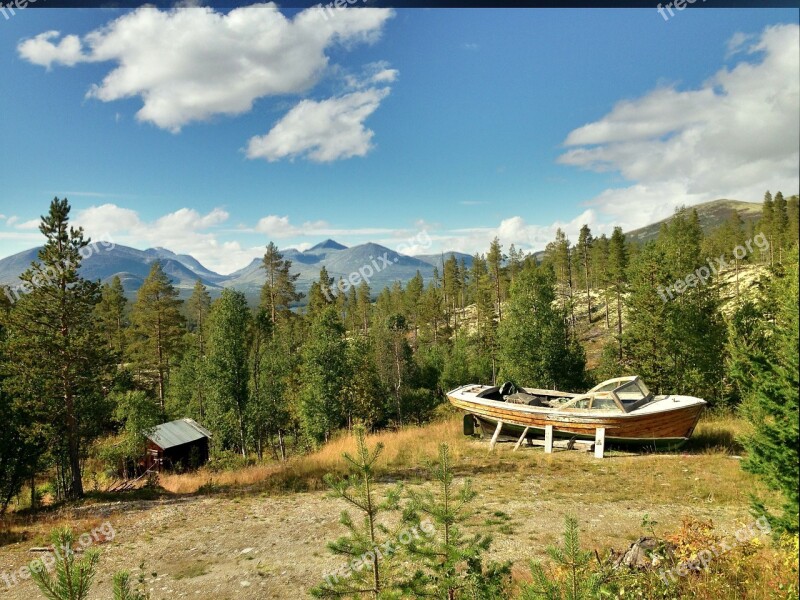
181, 444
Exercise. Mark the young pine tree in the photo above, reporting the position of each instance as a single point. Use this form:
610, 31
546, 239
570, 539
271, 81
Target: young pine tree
452, 562
73, 577
370, 545
577, 581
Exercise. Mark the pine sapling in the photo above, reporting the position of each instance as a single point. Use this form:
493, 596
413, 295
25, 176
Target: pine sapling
452, 565
73, 577
369, 544
580, 582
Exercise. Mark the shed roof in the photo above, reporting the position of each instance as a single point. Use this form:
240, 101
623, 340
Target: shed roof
177, 433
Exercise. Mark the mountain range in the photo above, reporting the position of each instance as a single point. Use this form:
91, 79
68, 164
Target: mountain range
381, 265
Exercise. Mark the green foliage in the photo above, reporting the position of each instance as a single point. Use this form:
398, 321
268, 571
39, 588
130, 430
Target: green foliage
228, 370
278, 292
675, 343
369, 543
535, 346
73, 577
157, 328
55, 360
124, 589
324, 374
111, 316
579, 580
198, 307
451, 563
771, 400
138, 414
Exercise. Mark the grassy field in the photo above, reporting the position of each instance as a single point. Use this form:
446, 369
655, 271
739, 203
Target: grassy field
264, 527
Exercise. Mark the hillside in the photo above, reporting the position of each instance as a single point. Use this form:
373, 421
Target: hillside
711, 215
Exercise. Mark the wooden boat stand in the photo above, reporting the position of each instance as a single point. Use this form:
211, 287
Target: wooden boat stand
598, 445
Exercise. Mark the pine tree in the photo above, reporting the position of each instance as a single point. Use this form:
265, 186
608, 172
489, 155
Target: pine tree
486, 326
602, 275
56, 360
584, 251
770, 388
363, 389
494, 263
21, 442
452, 290
781, 224
228, 328
452, 561
198, 307
272, 361
412, 303
320, 295
557, 256
617, 266
767, 224
73, 577
111, 317
364, 305
157, 328
279, 290
579, 581
370, 545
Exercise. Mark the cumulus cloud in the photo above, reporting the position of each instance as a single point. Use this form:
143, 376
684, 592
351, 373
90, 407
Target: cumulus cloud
321, 131
733, 137
190, 64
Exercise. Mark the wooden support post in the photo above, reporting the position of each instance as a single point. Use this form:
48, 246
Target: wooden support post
521, 438
496, 435
599, 442
548, 439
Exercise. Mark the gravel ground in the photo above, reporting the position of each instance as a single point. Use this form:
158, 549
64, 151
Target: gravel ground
260, 547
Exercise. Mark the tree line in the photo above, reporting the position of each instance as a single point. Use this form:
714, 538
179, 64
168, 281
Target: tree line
80, 361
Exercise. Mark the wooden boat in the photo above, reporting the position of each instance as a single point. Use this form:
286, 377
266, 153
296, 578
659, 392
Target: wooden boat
629, 412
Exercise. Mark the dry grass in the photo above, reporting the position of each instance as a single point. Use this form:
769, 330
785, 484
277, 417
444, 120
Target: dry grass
405, 450
190, 483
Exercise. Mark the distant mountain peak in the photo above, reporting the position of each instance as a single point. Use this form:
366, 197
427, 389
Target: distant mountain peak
328, 244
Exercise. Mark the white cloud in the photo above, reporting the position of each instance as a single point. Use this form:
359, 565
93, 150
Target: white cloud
184, 231
733, 137
31, 224
190, 64
278, 227
322, 131
40, 50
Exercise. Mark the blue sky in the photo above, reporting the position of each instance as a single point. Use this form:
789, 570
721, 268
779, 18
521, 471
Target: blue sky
212, 133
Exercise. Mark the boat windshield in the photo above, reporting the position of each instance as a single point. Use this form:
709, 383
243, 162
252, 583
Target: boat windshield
632, 394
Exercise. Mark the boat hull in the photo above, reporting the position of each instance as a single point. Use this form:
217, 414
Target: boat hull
654, 429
